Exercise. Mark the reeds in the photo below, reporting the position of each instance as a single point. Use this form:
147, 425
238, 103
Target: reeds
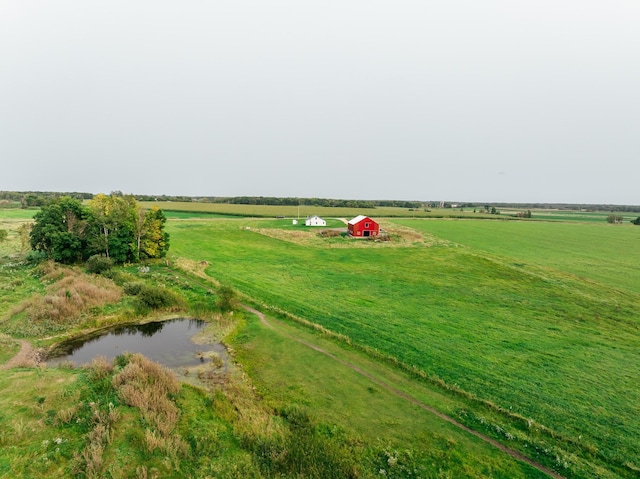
147, 386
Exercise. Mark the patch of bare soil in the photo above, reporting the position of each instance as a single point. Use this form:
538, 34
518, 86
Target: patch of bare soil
395, 236
27, 357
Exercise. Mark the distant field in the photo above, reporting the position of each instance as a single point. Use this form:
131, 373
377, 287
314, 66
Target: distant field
15, 213
262, 211
599, 252
185, 215
11, 220
523, 335
567, 215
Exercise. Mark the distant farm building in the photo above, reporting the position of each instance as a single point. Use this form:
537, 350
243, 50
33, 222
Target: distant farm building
315, 221
363, 226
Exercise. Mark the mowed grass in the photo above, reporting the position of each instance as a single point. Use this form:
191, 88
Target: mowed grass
292, 376
535, 341
600, 252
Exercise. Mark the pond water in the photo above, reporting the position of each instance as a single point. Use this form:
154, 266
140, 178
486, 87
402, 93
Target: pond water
170, 343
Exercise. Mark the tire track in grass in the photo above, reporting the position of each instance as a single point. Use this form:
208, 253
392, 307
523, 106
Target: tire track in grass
511, 452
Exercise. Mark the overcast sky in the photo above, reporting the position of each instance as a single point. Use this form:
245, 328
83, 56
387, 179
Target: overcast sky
459, 100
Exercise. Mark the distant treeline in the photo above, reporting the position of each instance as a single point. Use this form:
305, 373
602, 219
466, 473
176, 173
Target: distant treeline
287, 201
558, 206
30, 199
40, 198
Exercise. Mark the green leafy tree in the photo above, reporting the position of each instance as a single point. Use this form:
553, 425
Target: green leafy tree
154, 243
140, 227
114, 226
636, 221
59, 230
111, 227
614, 219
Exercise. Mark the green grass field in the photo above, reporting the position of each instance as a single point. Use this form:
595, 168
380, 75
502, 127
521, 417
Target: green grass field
291, 375
534, 340
526, 331
593, 252
261, 211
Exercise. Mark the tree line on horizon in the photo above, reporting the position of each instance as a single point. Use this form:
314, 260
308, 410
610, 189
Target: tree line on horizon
29, 199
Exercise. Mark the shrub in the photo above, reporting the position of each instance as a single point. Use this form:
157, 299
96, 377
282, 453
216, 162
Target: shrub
98, 264
226, 298
133, 288
153, 297
36, 257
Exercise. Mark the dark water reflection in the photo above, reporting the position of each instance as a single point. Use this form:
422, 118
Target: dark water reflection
166, 342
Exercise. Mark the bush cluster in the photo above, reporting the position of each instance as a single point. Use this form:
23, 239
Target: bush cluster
227, 300
152, 297
98, 264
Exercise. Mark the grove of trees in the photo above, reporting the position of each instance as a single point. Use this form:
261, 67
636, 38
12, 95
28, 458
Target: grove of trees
117, 227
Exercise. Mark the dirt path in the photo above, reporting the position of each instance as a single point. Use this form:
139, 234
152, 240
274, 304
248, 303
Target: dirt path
26, 357
411, 399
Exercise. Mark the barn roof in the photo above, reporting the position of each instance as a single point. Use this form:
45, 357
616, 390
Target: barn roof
357, 219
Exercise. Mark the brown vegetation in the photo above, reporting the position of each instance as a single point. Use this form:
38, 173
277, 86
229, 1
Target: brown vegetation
70, 294
330, 233
91, 458
148, 386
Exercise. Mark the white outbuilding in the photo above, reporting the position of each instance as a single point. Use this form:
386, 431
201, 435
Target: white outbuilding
315, 221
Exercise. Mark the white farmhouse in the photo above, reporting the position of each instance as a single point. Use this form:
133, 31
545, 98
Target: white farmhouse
315, 221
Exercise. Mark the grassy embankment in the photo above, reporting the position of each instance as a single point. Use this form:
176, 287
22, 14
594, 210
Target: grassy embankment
545, 353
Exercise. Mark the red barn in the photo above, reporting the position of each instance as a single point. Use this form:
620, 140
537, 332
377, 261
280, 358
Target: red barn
363, 226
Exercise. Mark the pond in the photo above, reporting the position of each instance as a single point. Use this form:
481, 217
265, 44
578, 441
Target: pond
172, 343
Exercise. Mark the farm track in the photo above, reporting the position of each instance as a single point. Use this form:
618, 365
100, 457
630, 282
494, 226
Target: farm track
26, 357
511, 452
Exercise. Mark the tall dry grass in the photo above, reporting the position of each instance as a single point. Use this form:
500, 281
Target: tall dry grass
148, 387
69, 294
90, 460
